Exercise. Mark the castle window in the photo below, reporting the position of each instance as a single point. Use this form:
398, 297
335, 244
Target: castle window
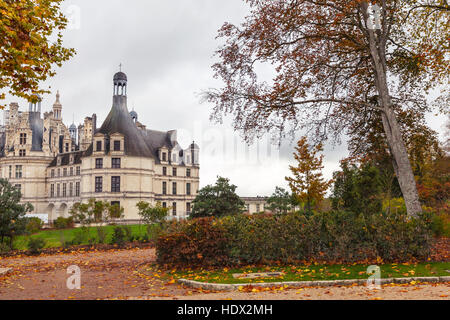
174, 208
174, 188
188, 208
18, 172
64, 190
188, 159
164, 187
19, 188
164, 156
78, 171
58, 190
188, 172
59, 172
99, 146
52, 173
65, 172
71, 171
52, 191
22, 153
71, 189
67, 147
188, 189
164, 204
174, 158
116, 145
10, 172
115, 163
174, 172
164, 171
23, 138
77, 189
98, 184
99, 163
115, 184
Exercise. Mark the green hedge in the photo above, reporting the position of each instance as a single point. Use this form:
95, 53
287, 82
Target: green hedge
323, 237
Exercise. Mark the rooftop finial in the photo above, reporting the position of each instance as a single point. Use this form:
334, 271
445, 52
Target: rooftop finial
120, 67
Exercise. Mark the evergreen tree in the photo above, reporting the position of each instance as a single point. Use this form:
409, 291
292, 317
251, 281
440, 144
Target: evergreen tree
217, 200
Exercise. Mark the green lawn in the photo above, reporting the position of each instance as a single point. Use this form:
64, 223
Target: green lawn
55, 238
312, 272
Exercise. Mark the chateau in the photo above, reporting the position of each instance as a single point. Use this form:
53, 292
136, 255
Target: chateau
122, 162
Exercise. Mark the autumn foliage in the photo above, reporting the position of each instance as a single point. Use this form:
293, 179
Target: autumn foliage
322, 237
30, 45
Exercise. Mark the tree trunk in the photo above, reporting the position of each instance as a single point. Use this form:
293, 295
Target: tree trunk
402, 166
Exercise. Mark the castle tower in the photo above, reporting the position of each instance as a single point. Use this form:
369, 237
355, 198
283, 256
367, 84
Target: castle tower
57, 108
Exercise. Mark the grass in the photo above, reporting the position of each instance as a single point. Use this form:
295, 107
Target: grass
55, 238
315, 272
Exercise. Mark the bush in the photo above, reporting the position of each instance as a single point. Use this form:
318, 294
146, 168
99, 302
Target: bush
441, 225
63, 223
322, 237
34, 225
4, 248
35, 245
119, 236
195, 242
101, 234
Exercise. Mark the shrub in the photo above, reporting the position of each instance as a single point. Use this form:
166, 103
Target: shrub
101, 234
79, 238
441, 225
118, 236
4, 248
195, 242
322, 237
35, 245
34, 225
63, 223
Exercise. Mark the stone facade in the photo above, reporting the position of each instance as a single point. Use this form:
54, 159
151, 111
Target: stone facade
255, 204
121, 162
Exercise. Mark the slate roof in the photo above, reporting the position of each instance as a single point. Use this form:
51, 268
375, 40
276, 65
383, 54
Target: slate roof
65, 159
119, 121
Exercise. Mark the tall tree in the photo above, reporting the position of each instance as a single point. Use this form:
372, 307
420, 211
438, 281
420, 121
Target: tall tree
334, 61
217, 200
308, 184
12, 212
30, 45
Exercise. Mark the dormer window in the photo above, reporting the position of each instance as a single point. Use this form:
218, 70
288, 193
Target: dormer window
164, 156
99, 146
174, 158
116, 145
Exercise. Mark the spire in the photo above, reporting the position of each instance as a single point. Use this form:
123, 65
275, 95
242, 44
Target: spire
57, 107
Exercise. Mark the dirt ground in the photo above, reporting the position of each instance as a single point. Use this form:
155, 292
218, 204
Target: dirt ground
114, 275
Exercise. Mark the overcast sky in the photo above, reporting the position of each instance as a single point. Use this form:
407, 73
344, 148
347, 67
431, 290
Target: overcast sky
166, 49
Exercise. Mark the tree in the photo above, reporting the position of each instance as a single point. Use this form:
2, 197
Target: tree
30, 45
308, 184
95, 211
357, 189
152, 214
12, 212
334, 61
281, 201
217, 200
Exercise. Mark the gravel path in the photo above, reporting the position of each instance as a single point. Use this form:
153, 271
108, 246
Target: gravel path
113, 275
